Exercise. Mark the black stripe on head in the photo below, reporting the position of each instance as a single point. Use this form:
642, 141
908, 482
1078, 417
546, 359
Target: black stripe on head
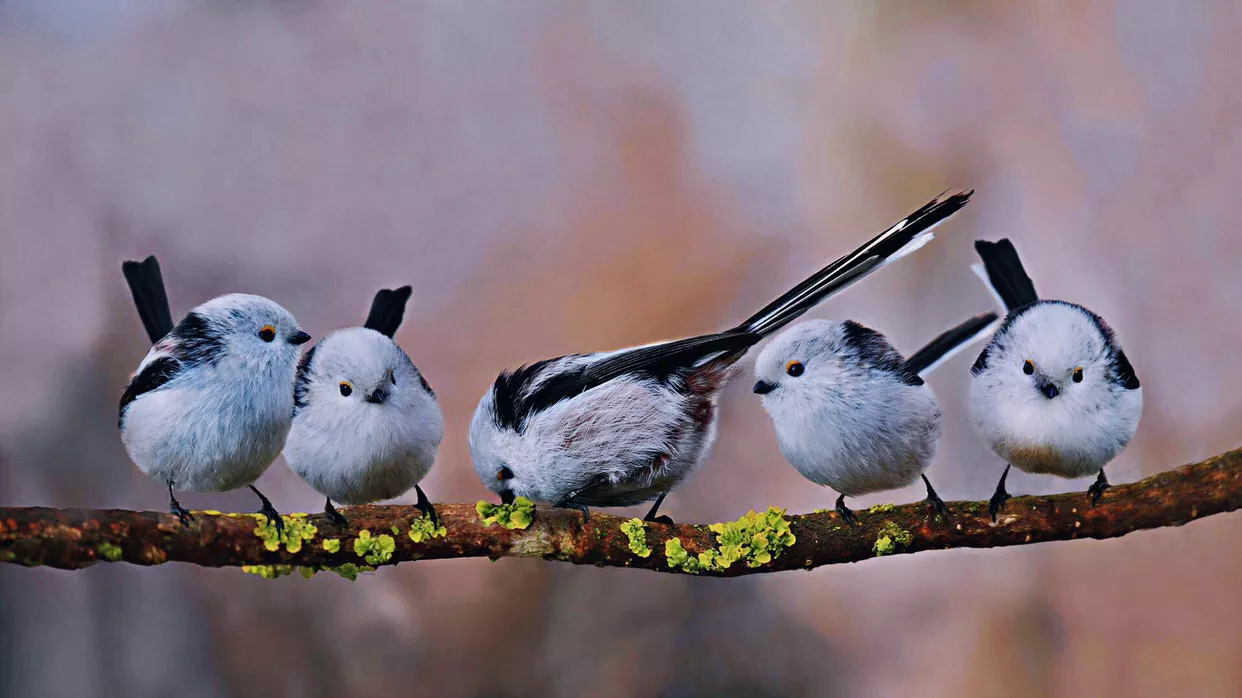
301, 383
422, 380
872, 348
197, 341
152, 376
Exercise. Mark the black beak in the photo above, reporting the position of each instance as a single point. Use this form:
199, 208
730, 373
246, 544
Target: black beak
299, 337
1047, 389
507, 497
764, 387
377, 396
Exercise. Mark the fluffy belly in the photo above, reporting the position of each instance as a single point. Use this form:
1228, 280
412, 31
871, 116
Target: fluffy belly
1047, 460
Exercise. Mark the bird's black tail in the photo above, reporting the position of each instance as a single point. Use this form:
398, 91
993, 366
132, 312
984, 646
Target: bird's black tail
950, 342
1002, 271
908, 235
388, 310
147, 286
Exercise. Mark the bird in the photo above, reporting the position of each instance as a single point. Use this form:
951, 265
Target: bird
850, 412
622, 428
209, 407
366, 424
1052, 392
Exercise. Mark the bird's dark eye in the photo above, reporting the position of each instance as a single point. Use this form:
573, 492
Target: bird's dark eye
268, 333
795, 368
346, 389
1078, 375
392, 377
504, 473
1027, 367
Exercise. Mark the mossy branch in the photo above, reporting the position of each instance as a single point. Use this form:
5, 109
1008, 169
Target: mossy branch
763, 542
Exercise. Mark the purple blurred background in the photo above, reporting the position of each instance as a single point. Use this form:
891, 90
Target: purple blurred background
556, 177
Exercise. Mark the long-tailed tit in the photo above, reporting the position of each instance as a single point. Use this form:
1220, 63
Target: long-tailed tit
850, 412
624, 427
1053, 392
366, 425
210, 406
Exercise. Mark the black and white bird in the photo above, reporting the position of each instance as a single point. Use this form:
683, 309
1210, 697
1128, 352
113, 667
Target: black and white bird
624, 427
850, 411
366, 424
210, 406
1053, 392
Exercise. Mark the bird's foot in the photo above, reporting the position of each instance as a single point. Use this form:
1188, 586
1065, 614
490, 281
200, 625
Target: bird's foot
424, 505
335, 517
846, 514
273, 516
938, 508
181, 513
1096, 490
586, 513
997, 503
661, 519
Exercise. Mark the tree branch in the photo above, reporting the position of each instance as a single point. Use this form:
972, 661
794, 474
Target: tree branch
76, 538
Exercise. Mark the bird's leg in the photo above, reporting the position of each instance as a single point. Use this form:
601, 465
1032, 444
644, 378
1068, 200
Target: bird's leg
937, 504
997, 502
270, 512
1097, 488
567, 502
844, 511
176, 508
651, 515
424, 505
335, 517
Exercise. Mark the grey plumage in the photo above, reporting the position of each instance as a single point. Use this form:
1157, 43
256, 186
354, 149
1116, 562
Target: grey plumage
367, 426
624, 427
849, 411
209, 407
1052, 392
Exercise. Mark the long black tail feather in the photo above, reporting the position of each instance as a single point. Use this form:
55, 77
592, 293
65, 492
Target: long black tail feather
146, 284
1005, 274
925, 360
388, 310
908, 235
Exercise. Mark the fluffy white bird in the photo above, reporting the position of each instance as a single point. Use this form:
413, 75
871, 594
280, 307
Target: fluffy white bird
624, 427
1053, 392
366, 425
850, 412
210, 406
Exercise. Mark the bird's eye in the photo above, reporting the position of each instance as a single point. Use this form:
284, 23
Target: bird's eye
795, 368
1078, 375
392, 377
346, 389
504, 473
1027, 367
268, 333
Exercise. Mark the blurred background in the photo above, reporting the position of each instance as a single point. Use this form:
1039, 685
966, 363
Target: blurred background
556, 177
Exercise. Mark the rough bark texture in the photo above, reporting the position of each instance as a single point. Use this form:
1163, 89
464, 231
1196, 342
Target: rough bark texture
76, 538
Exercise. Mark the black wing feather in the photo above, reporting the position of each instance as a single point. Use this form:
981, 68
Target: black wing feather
151, 377
516, 401
1006, 274
146, 284
948, 341
388, 310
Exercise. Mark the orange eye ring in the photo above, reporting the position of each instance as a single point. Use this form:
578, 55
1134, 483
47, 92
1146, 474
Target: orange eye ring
1028, 367
268, 333
1077, 377
795, 368
346, 389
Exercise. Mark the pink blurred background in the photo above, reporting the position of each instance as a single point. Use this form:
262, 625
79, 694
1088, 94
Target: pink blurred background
556, 177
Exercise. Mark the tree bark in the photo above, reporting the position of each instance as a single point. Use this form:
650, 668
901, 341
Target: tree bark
77, 538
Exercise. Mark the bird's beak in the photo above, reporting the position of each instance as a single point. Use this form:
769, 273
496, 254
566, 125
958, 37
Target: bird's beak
764, 387
377, 396
299, 337
1047, 388
507, 496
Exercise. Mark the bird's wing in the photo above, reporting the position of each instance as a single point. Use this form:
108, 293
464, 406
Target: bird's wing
151, 376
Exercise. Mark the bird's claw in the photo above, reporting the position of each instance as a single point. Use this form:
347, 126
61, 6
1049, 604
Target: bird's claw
1096, 490
661, 519
846, 514
997, 503
424, 505
181, 513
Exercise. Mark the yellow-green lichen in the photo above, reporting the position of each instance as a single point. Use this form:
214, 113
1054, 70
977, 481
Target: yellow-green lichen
268, 571
375, 550
517, 515
756, 539
351, 571
636, 530
296, 531
332, 545
423, 529
109, 551
891, 537
396, 530
881, 509
7, 556
307, 572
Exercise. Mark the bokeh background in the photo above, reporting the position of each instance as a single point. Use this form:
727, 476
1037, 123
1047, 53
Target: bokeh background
556, 177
